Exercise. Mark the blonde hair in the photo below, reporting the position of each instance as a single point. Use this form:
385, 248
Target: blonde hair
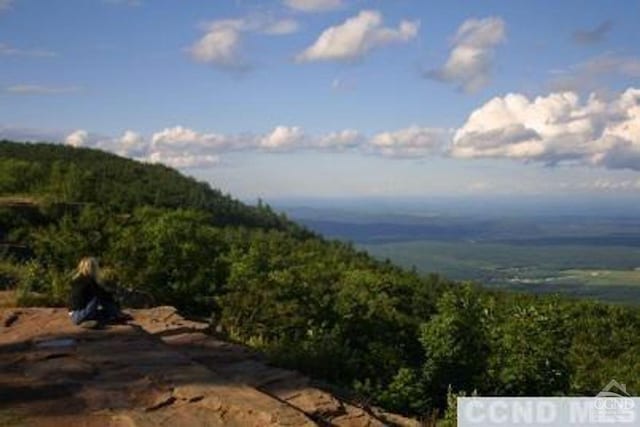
88, 266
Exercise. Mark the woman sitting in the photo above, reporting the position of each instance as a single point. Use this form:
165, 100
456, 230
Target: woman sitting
91, 303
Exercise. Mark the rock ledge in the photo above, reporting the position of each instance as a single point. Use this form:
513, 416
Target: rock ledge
160, 370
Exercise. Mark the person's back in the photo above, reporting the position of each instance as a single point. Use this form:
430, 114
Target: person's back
88, 300
83, 290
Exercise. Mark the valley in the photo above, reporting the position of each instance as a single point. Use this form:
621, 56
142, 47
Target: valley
550, 251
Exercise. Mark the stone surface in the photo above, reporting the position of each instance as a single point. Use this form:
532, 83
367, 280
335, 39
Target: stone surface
9, 318
160, 370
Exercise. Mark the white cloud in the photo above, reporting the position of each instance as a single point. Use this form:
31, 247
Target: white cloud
314, 5
357, 36
413, 141
470, 61
180, 146
342, 140
554, 129
8, 50
177, 147
220, 45
184, 144
131, 144
184, 161
78, 138
131, 138
282, 137
181, 137
222, 42
29, 89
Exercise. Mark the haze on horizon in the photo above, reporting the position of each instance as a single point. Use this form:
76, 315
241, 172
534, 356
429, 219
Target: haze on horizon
337, 98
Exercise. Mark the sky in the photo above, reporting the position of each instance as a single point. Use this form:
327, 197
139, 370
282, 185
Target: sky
337, 98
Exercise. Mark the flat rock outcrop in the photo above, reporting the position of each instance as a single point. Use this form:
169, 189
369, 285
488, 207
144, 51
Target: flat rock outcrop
159, 370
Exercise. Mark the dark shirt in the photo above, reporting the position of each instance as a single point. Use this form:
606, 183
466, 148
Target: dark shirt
83, 290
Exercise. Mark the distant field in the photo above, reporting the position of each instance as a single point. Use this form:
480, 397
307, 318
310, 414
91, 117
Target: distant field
609, 273
578, 252
602, 277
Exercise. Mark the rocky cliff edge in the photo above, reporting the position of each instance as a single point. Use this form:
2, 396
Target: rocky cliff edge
159, 370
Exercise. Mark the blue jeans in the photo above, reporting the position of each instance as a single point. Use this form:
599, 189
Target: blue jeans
96, 309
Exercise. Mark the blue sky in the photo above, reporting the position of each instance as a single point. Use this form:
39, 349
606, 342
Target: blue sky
336, 98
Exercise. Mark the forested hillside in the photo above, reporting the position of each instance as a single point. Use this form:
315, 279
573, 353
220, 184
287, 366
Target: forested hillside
58, 174
387, 334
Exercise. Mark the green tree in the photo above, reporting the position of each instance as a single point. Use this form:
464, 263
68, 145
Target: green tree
530, 351
175, 255
456, 344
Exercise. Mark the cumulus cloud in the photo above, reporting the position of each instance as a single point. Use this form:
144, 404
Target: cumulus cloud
356, 36
339, 141
177, 147
221, 45
182, 147
413, 141
470, 61
185, 144
123, 146
184, 161
554, 129
29, 89
594, 35
8, 50
78, 138
282, 137
314, 5
594, 73
131, 144
179, 140
179, 137
557, 129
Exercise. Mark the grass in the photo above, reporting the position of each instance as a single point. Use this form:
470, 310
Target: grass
603, 277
